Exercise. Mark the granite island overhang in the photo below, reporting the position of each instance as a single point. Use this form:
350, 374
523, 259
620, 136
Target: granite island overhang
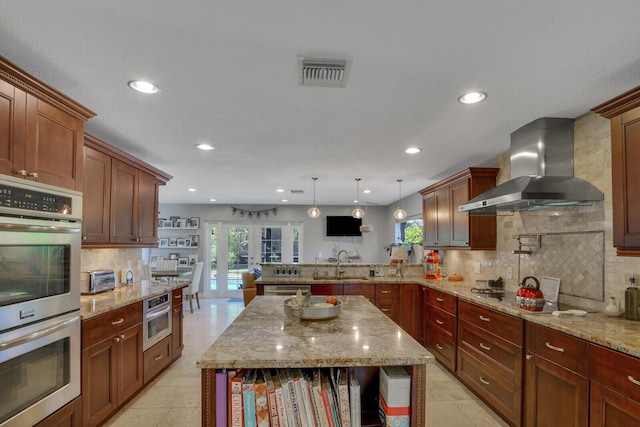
362, 336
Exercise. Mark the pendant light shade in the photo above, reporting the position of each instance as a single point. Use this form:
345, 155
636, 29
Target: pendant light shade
357, 212
400, 213
313, 211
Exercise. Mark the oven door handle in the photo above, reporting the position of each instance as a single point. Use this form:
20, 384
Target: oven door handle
63, 228
151, 316
37, 334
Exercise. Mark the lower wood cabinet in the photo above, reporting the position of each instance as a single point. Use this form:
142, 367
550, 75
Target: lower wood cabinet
410, 315
615, 388
387, 296
177, 324
440, 319
556, 379
70, 415
156, 359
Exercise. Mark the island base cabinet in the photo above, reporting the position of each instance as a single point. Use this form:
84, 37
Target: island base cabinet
70, 415
156, 359
503, 395
611, 409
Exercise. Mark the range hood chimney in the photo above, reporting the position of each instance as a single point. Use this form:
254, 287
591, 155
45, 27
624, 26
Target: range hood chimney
541, 173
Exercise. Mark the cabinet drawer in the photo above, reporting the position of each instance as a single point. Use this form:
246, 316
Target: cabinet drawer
503, 395
508, 327
443, 348
565, 350
387, 291
108, 324
176, 297
366, 290
326, 289
157, 358
388, 306
616, 371
442, 300
501, 355
440, 319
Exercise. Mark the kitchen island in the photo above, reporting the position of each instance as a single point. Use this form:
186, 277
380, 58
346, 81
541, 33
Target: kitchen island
362, 336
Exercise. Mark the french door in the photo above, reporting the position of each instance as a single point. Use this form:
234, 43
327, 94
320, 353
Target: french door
238, 248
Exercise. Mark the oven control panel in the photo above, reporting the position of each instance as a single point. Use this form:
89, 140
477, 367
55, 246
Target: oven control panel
21, 198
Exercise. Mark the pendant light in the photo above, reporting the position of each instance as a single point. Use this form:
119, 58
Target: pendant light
313, 211
357, 212
366, 228
400, 213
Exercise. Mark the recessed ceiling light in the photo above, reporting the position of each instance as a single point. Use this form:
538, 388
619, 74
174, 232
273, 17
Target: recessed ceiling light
144, 87
472, 97
212, 200
413, 150
366, 191
280, 190
205, 147
191, 189
284, 200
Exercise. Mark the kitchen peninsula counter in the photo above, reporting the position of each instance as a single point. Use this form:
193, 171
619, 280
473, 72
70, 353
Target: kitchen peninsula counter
262, 336
94, 305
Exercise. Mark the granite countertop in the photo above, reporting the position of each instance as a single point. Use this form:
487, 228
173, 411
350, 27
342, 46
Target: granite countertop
298, 280
262, 336
93, 305
612, 332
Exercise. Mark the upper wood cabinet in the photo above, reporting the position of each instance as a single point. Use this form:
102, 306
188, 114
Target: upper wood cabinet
444, 226
41, 131
121, 198
624, 114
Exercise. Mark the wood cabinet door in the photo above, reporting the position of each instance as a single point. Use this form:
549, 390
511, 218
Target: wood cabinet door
554, 396
147, 209
54, 145
177, 332
12, 129
70, 415
459, 192
99, 388
625, 155
326, 289
430, 220
611, 409
410, 309
443, 208
124, 203
130, 370
96, 196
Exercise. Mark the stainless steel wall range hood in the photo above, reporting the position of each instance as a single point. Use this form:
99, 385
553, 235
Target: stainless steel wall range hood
541, 173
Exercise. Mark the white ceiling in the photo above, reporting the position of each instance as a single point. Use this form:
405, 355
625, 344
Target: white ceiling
228, 75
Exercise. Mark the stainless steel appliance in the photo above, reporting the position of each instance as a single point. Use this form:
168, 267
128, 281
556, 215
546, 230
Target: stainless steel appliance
156, 320
285, 290
40, 244
94, 282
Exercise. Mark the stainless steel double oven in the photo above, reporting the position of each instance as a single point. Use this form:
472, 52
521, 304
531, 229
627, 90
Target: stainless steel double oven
40, 244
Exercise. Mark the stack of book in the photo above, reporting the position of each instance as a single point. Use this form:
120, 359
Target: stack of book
288, 398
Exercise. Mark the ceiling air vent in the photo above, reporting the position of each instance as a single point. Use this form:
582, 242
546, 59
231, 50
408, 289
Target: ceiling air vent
323, 72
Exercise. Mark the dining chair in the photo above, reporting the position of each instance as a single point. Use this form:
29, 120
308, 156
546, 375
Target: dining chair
194, 284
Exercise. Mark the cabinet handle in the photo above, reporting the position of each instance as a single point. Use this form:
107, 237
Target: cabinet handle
22, 172
440, 299
176, 310
384, 310
385, 292
529, 356
177, 296
484, 319
118, 338
84, 237
439, 347
158, 357
117, 322
633, 380
554, 348
483, 381
439, 322
485, 347
34, 174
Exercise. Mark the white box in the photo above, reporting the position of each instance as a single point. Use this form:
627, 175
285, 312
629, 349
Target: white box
395, 386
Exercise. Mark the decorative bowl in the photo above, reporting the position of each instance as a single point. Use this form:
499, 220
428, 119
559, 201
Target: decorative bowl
311, 312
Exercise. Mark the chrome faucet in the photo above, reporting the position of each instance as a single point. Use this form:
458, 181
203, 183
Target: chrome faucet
338, 271
315, 267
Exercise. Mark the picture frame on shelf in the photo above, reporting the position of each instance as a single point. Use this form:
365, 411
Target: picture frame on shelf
181, 241
193, 258
161, 222
183, 262
163, 243
167, 224
174, 220
173, 241
187, 243
174, 255
194, 240
153, 260
182, 223
194, 222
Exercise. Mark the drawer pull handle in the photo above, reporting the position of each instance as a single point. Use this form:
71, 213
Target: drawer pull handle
385, 292
439, 347
529, 356
554, 348
633, 380
484, 319
439, 322
440, 299
384, 310
177, 296
485, 347
118, 338
158, 357
117, 322
176, 310
483, 381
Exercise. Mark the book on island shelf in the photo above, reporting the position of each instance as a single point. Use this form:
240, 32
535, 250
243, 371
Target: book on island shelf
261, 400
271, 397
236, 418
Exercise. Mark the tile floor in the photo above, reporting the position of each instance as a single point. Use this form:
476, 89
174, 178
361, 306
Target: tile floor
173, 398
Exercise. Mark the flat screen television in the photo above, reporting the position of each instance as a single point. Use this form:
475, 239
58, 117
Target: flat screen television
343, 226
